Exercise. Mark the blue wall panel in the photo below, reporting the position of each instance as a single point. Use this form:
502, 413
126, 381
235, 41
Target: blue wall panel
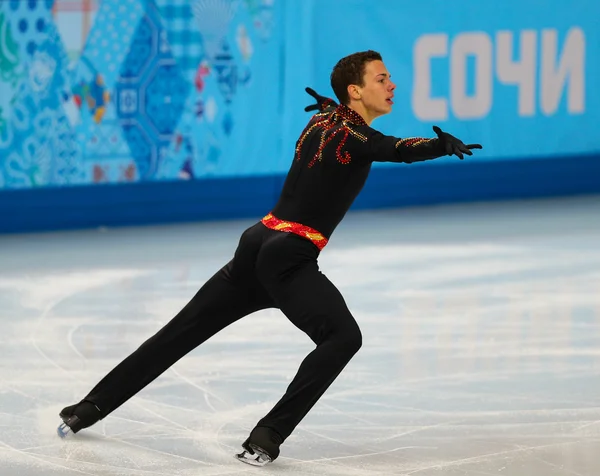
244, 197
116, 112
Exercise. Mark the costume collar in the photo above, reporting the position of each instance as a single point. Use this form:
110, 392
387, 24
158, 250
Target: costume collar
350, 115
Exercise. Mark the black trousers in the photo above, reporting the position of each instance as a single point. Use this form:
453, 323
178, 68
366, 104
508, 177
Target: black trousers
270, 269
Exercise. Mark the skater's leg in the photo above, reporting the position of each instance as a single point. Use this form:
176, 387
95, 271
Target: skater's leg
230, 294
315, 306
219, 303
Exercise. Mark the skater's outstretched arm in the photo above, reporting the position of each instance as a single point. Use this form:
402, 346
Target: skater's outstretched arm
384, 148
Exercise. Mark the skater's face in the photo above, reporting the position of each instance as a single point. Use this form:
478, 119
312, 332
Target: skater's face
376, 94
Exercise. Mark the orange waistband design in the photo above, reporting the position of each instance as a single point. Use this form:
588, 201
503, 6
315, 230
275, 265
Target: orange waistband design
313, 235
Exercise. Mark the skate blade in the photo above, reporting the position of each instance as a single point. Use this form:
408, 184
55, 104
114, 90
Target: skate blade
257, 459
63, 430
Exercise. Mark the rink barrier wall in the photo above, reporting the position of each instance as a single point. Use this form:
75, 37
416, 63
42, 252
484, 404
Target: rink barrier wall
145, 203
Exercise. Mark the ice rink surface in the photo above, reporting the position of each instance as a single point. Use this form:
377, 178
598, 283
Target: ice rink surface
481, 348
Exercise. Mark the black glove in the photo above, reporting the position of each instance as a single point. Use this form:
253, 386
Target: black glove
452, 145
322, 101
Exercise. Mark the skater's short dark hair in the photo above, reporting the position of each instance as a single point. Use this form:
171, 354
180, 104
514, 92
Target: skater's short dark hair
350, 70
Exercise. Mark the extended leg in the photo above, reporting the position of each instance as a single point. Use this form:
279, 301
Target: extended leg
219, 303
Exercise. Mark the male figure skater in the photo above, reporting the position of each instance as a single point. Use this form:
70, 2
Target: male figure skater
275, 263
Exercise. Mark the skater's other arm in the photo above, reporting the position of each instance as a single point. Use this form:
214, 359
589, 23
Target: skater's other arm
323, 103
383, 148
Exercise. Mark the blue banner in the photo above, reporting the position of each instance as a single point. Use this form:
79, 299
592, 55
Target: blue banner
519, 76
125, 91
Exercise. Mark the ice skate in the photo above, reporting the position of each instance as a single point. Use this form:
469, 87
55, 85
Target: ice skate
261, 447
77, 417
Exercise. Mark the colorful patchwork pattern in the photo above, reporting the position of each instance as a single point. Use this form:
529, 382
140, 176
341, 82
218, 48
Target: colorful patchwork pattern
108, 91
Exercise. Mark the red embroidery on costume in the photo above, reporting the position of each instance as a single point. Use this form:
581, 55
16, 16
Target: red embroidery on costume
311, 234
342, 119
344, 159
327, 102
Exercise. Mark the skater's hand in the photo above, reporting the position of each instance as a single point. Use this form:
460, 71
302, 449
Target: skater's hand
454, 146
322, 101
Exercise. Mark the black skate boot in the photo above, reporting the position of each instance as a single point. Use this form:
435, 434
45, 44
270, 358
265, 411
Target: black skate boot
77, 417
261, 447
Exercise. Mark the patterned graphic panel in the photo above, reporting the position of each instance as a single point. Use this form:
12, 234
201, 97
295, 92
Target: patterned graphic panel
74, 20
110, 91
106, 155
38, 146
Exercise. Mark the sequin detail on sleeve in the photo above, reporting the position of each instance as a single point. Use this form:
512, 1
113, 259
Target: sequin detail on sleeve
412, 142
307, 232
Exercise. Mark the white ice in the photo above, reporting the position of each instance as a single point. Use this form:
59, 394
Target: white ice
481, 348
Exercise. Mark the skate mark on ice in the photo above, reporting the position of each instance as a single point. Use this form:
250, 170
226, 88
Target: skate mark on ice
12, 415
577, 405
325, 437
586, 425
72, 344
165, 404
202, 389
556, 466
138, 432
43, 460
346, 414
327, 465
33, 336
152, 450
104, 466
158, 415
7, 386
362, 455
419, 430
490, 456
82, 283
